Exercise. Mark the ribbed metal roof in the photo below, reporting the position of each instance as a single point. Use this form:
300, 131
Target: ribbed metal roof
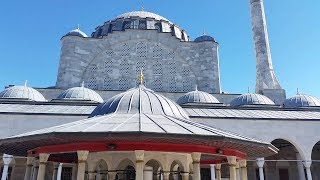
22, 93
301, 100
80, 94
251, 99
140, 100
197, 97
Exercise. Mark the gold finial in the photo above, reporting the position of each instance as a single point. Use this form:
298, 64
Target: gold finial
142, 8
141, 76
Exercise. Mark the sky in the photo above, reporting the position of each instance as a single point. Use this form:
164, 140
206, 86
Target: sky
31, 32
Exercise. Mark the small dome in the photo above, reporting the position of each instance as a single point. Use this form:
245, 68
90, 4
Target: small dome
140, 100
251, 99
76, 32
80, 94
301, 100
197, 97
204, 38
22, 93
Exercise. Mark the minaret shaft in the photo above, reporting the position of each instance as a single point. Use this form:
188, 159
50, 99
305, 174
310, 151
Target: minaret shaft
265, 77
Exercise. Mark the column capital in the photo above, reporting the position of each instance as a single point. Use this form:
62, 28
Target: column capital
218, 166
243, 163
232, 160
139, 154
43, 157
212, 165
238, 165
196, 156
29, 161
260, 162
7, 159
82, 155
307, 164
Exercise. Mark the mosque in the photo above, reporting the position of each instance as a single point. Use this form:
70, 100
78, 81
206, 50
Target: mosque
138, 99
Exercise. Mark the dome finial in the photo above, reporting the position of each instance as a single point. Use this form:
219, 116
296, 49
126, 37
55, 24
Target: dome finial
25, 83
82, 84
78, 27
142, 8
298, 93
204, 32
248, 89
141, 76
196, 87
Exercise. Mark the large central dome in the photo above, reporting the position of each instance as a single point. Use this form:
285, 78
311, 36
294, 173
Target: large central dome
141, 20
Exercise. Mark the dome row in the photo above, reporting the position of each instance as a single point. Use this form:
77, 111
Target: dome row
29, 94
193, 97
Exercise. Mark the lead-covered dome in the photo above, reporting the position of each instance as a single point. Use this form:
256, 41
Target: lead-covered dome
76, 32
301, 100
142, 20
80, 94
197, 97
23, 93
141, 100
204, 38
250, 99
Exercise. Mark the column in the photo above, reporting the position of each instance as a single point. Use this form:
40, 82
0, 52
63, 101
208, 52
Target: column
300, 167
27, 175
148, 173
232, 162
260, 163
59, 171
218, 171
55, 169
35, 171
185, 176
243, 167
112, 175
213, 173
196, 165
74, 172
92, 175
238, 171
6, 162
166, 175
82, 158
139, 154
307, 165
43, 158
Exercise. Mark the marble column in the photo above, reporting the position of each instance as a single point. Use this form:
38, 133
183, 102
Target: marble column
307, 165
196, 165
139, 155
112, 175
43, 158
243, 167
232, 162
59, 171
185, 176
27, 175
74, 172
55, 169
213, 172
300, 167
166, 175
35, 168
218, 171
260, 163
6, 162
82, 158
148, 173
238, 171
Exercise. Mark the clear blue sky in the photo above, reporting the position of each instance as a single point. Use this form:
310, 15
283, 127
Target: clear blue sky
31, 31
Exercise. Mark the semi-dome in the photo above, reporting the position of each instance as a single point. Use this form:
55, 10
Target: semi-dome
197, 97
140, 100
301, 100
80, 94
142, 20
204, 38
23, 93
76, 32
249, 99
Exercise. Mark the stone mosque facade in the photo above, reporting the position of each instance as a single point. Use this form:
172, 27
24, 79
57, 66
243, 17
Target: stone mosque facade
138, 99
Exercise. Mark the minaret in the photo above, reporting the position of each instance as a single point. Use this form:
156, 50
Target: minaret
266, 81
